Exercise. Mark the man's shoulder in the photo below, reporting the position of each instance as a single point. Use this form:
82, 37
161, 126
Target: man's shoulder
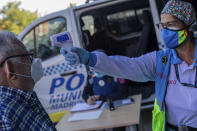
11, 107
5, 107
6, 102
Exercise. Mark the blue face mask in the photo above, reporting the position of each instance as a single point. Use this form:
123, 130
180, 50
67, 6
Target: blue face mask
172, 38
99, 75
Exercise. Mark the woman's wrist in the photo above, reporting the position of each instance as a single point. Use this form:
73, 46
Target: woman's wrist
92, 60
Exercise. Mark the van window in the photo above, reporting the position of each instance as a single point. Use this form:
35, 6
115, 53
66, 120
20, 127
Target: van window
139, 13
43, 33
40, 35
123, 22
88, 22
28, 41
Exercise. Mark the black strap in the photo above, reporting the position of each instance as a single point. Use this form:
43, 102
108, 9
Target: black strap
185, 84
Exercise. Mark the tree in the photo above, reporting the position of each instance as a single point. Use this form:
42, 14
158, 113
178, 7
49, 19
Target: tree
73, 4
14, 19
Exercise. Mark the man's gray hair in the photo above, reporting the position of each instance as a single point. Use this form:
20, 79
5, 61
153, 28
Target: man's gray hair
9, 44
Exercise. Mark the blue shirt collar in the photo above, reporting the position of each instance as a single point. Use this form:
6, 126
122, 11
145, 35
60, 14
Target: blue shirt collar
176, 60
16, 93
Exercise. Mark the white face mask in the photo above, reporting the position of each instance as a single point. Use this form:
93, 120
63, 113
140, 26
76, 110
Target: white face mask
36, 70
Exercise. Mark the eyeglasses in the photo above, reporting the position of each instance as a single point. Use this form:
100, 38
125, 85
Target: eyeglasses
172, 25
184, 84
21, 55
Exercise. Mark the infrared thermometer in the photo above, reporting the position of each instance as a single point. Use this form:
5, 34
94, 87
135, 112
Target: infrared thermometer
65, 41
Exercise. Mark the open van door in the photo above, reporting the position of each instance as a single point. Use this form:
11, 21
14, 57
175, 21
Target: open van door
62, 85
121, 27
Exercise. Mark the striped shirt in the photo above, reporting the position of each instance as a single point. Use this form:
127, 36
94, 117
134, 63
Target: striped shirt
22, 111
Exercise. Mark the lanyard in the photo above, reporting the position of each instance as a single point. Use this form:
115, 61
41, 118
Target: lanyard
184, 84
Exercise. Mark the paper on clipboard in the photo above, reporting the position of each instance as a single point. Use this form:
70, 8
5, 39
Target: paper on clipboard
89, 115
85, 106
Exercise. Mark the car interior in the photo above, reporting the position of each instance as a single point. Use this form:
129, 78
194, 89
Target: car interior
123, 29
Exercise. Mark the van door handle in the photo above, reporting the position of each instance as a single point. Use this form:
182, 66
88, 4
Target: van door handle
68, 73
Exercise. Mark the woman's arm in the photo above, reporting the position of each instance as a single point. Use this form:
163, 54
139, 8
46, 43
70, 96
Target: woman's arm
140, 69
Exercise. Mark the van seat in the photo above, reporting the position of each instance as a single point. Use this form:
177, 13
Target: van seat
144, 40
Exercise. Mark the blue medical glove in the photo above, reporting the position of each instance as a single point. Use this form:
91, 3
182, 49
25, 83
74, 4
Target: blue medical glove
71, 58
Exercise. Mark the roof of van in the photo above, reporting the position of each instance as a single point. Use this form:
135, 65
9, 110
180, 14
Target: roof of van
61, 11
91, 4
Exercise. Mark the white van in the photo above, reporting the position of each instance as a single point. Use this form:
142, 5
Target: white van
120, 27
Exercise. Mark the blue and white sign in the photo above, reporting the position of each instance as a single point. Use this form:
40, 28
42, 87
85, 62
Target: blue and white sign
58, 93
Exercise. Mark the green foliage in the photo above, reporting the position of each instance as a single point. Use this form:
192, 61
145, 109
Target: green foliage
14, 19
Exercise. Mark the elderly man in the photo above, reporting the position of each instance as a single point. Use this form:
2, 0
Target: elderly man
20, 108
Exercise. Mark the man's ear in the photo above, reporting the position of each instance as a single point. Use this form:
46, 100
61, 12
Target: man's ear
9, 67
